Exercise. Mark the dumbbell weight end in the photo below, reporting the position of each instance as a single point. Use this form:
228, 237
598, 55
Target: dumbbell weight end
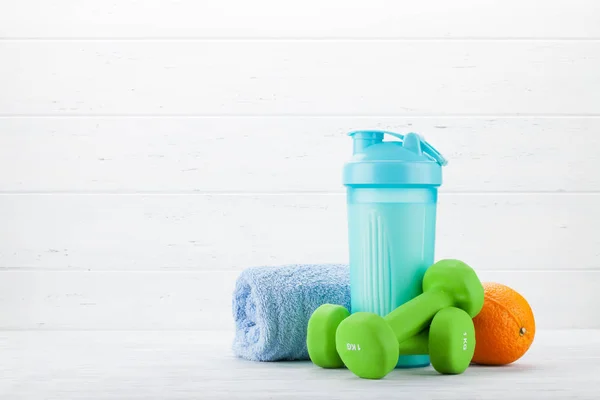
320, 335
449, 341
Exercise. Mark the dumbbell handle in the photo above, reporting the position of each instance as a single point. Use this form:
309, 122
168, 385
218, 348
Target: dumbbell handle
415, 345
416, 314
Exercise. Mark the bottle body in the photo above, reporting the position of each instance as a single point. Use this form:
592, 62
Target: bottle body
391, 233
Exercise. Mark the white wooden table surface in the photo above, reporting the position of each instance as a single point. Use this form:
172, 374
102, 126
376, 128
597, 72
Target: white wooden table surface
199, 365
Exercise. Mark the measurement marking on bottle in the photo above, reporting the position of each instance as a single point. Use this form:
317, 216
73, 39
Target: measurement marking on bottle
353, 346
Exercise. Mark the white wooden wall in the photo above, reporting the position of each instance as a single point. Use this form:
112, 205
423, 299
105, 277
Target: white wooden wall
151, 150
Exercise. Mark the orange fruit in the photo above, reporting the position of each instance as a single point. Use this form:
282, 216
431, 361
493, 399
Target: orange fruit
504, 328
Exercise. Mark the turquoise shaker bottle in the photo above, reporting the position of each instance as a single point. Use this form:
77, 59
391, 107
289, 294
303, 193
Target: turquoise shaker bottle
391, 192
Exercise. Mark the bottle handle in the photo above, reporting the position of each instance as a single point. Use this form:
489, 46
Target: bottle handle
426, 147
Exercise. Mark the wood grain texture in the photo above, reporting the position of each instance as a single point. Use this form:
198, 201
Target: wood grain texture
283, 154
137, 110
299, 78
187, 232
308, 19
193, 365
119, 300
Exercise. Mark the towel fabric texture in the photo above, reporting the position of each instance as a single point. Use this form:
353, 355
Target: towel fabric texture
272, 306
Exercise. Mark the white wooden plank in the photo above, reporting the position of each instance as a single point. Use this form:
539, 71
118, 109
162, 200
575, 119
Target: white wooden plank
299, 78
307, 19
123, 300
280, 154
116, 300
183, 232
192, 365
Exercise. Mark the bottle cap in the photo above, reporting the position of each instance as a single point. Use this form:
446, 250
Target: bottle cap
409, 161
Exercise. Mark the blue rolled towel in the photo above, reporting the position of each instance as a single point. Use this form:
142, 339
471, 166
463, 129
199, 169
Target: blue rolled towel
272, 306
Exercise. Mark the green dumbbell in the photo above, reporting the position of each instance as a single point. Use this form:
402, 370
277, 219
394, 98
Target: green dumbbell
449, 340
447, 283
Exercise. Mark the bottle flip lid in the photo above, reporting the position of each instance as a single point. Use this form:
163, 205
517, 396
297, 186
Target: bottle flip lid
410, 161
